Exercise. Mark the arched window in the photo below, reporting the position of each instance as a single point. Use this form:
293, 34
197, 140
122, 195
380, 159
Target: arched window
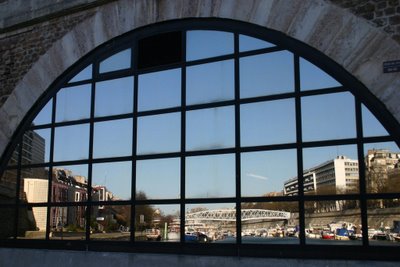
204, 136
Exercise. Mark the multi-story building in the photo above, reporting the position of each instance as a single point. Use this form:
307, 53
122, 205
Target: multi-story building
65, 187
336, 176
394, 176
36, 192
33, 151
382, 170
33, 148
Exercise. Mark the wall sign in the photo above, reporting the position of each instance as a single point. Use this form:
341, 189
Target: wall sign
391, 66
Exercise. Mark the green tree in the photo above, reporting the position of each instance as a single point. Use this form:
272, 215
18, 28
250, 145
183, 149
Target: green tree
147, 211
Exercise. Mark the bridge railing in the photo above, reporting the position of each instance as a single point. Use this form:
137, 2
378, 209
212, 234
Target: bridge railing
230, 215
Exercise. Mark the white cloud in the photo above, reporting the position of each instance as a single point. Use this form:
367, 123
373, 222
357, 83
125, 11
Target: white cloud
257, 176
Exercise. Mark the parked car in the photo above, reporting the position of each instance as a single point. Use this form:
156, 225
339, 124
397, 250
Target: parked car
197, 237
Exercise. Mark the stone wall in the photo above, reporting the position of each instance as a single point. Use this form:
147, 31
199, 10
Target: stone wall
16, 14
376, 217
20, 49
384, 14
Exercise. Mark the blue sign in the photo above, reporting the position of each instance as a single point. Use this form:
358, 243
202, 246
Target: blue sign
391, 66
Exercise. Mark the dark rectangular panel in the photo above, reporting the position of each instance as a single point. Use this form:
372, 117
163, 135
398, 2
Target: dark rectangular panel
160, 50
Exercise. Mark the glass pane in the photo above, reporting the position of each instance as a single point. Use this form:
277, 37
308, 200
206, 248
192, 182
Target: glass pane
114, 97
210, 223
210, 176
330, 170
210, 128
265, 173
266, 123
159, 49
247, 43
71, 142
36, 146
204, 44
32, 222
34, 185
312, 77
159, 133
270, 223
118, 61
371, 126
266, 74
69, 183
210, 82
73, 103
68, 223
383, 222
330, 116
8, 186
157, 223
382, 167
44, 116
159, 178
159, 90
112, 181
13, 161
7, 222
333, 222
111, 223
112, 138
84, 74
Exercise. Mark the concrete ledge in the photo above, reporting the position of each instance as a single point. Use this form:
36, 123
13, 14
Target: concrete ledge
40, 258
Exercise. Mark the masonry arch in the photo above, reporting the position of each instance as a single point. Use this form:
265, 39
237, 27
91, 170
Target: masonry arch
77, 50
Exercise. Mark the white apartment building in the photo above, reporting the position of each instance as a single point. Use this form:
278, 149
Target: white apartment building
336, 176
36, 191
382, 170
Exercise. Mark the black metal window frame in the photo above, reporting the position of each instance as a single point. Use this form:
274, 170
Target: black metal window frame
283, 42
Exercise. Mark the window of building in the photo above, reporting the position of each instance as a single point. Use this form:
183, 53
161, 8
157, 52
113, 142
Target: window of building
210, 137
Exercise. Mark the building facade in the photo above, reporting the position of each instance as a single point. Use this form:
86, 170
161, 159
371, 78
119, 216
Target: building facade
382, 170
337, 176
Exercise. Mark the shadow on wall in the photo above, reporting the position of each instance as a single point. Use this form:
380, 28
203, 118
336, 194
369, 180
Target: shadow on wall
26, 220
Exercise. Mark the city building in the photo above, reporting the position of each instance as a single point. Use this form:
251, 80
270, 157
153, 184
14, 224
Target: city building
33, 148
336, 176
65, 187
32, 151
101, 193
394, 176
382, 171
36, 192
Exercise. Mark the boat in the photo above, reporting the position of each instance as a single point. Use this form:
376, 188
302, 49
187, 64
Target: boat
153, 234
342, 234
327, 235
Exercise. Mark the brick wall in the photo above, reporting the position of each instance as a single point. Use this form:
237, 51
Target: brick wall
20, 49
384, 14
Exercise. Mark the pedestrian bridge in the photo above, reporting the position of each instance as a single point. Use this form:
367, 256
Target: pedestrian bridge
230, 215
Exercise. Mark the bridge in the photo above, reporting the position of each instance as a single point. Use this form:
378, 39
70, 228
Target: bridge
230, 215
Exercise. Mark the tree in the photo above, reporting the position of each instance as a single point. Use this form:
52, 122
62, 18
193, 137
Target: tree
147, 211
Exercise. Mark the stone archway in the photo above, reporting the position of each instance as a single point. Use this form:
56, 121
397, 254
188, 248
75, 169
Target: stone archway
350, 41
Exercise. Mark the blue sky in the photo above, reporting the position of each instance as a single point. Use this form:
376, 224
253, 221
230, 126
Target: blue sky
324, 117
